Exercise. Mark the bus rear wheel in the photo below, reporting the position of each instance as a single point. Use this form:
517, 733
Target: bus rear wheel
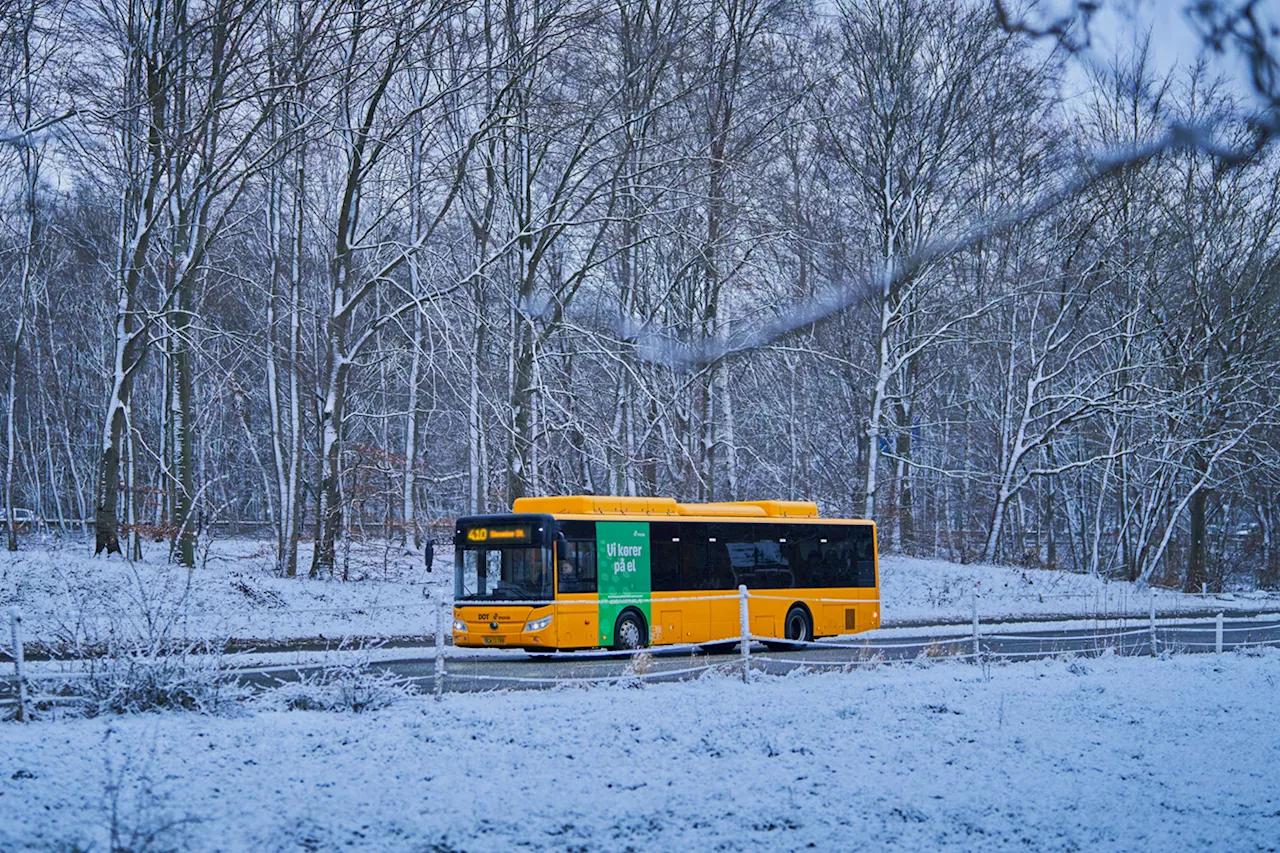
798, 627
629, 632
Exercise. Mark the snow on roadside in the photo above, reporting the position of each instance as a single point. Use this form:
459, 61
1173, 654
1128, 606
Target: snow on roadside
1103, 754
914, 589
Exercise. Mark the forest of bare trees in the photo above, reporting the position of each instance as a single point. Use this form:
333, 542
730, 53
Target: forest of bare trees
342, 268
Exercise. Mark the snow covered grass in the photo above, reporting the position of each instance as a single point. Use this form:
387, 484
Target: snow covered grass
922, 590
71, 600
1076, 754
351, 685
137, 680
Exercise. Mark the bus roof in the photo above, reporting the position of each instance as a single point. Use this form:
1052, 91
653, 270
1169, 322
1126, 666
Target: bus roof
613, 505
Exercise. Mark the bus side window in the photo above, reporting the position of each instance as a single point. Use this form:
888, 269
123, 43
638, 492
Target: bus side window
865, 554
586, 563
578, 567
773, 568
694, 570
665, 560
806, 556
837, 562
580, 553
793, 556
719, 561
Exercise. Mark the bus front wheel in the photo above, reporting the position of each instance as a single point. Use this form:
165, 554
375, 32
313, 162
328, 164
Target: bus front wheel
629, 632
798, 627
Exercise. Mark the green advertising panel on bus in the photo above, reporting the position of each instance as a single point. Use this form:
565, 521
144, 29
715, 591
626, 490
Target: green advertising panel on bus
622, 560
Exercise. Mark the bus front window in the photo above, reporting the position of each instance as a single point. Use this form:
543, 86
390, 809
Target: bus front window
503, 574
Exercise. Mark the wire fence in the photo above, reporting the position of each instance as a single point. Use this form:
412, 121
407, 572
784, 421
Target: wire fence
268, 618
1162, 632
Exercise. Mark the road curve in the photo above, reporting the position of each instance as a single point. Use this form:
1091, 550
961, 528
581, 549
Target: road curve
518, 670
508, 669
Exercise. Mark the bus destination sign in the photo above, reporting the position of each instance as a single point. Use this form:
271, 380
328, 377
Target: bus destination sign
498, 534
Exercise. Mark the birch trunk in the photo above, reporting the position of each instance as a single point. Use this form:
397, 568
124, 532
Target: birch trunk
291, 509
15, 358
409, 504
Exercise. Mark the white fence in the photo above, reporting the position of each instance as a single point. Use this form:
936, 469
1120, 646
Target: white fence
1153, 637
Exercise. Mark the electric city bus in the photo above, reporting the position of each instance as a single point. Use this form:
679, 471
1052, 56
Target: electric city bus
581, 572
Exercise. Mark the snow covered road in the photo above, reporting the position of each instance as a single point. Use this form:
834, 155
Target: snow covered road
1087, 754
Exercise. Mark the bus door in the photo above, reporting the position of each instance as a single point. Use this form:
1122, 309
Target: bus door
577, 606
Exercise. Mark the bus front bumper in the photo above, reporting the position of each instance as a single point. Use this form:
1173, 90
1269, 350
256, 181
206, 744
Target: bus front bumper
532, 629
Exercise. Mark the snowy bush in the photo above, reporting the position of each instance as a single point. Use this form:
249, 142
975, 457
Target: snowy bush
633, 675
349, 687
137, 679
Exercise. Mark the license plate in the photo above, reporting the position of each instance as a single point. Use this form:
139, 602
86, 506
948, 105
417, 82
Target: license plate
495, 641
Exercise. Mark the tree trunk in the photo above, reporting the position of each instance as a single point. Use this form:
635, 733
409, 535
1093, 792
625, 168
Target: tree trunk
329, 499
1198, 510
409, 510
292, 515
906, 531
876, 415
15, 358
181, 421
476, 476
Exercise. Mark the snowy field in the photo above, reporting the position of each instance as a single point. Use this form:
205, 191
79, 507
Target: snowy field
1108, 754
926, 591
70, 599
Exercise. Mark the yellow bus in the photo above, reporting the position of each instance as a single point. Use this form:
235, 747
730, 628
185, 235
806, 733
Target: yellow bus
582, 572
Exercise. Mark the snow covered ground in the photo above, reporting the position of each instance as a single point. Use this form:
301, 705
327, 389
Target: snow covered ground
923, 590
1100, 754
69, 598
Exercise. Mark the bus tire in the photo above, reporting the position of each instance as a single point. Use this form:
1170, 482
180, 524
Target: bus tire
797, 626
629, 632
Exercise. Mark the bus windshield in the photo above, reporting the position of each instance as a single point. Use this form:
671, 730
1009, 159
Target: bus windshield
503, 574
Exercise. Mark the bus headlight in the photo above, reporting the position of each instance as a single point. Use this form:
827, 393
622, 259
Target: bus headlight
459, 626
537, 624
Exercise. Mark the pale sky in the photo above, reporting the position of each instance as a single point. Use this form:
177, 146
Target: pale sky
1174, 41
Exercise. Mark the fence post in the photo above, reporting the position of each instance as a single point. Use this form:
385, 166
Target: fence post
19, 674
444, 621
1217, 634
744, 617
1151, 594
977, 650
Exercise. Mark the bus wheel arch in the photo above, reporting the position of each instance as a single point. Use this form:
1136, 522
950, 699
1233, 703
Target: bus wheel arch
630, 631
798, 626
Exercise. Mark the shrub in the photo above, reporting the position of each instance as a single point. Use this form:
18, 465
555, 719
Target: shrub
351, 687
136, 680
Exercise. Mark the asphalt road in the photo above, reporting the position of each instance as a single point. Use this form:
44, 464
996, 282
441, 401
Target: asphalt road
498, 670
505, 669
